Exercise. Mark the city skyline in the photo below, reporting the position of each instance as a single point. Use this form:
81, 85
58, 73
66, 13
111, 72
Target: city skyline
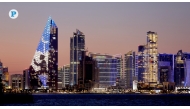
117, 28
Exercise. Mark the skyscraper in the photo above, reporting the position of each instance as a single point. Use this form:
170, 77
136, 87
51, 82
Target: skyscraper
181, 69
129, 65
44, 67
120, 81
151, 71
141, 62
77, 45
119, 58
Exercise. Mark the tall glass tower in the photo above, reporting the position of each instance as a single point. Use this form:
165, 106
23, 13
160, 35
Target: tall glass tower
77, 45
44, 66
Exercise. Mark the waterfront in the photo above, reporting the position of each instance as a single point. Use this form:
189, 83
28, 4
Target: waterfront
107, 100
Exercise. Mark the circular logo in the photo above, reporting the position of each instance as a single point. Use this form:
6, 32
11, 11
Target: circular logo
13, 13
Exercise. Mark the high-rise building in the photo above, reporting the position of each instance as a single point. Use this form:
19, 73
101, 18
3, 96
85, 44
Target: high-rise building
66, 75
129, 65
141, 62
43, 69
87, 73
77, 45
181, 68
26, 79
166, 61
120, 73
107, 69
151, 71
17, 81
5, 76
60, 78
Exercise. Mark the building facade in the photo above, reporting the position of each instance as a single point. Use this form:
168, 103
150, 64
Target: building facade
5, 77
129, 65
60, 78
66, 75
77, 45
166, 60
17, 81
88, 73
120, 75
180, 68
165, 74
107, 69
26, 79
151, 71
141, 62
44, 67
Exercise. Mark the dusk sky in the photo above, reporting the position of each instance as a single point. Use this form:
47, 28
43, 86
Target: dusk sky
111, 28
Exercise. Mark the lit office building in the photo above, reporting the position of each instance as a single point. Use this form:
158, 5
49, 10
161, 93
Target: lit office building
107, 69
151, 71
129, 65
26, 79
181, 69
17, 81
77, 45
43, 69
66, 75
60, 78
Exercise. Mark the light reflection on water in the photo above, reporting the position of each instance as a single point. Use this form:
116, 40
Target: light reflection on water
108, 100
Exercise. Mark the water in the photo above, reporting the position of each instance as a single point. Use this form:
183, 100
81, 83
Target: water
107, 100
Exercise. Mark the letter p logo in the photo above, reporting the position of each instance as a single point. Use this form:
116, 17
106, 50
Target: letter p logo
13, 14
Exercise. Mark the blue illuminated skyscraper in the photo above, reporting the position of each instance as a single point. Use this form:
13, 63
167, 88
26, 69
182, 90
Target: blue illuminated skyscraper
43, 69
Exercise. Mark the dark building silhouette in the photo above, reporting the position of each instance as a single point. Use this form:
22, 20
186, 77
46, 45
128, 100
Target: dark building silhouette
26, 79
87, 73
44, 67
166, 60
165, 72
